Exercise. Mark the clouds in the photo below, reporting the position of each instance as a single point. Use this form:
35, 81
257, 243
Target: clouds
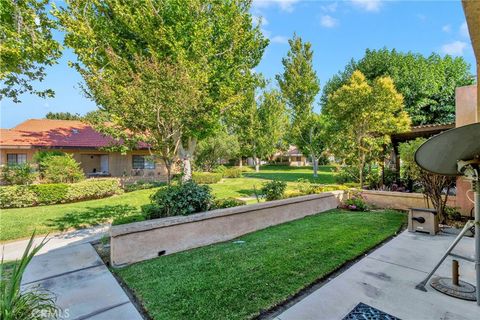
284, 5
279, 39
447, 28
368, 5
328, 21
455, 48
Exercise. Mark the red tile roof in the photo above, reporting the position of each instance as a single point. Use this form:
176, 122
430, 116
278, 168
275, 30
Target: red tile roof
54, 133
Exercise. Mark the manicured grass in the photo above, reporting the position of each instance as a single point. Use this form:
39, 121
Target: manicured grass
292, 174
237, 280
20, 222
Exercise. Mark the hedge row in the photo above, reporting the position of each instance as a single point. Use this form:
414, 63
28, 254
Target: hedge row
45, 194
206, 177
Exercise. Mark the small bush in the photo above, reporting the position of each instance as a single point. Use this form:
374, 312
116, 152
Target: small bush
17, 197
142, 185
220, 169
453, 214
18, 174
206, 177
61, 169
355, 203
227, 203
50, 193
293, 194
232, 173
274, 190
93, 189
44, 194
175, 200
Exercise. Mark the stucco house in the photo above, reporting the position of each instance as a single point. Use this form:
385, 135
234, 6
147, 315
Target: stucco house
19, 144
291, 157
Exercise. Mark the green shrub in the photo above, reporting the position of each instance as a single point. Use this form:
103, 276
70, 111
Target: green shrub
355, 203
50, 193
17, 197
274, 190
61, 169
93, 189
44, 194
227, 203
141, 185
452, 213
18, 174
232, 173
175, 200
220, 169
206, 177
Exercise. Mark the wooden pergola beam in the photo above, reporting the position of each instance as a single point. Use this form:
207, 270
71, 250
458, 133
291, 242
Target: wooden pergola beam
472, 14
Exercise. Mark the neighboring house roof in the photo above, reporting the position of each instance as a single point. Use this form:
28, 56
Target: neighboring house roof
53, 134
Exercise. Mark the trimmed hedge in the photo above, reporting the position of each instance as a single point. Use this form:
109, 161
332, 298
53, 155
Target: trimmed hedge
206, 177
45, 194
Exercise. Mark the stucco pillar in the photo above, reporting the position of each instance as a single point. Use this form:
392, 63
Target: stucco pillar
466, 112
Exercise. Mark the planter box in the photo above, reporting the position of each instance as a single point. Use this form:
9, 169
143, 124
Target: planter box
149, 239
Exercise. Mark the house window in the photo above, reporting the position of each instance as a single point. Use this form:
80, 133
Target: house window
142, 162
16, 158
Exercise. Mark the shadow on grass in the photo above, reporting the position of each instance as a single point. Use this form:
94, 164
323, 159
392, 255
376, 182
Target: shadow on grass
91, 216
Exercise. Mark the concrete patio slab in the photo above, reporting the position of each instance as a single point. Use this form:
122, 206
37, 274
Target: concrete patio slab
82, 285
61, 261
123, 312
386, 280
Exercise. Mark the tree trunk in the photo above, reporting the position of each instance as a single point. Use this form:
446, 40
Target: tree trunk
315, 166
240, 162
256, 162
186, 155
168, 166
361, 167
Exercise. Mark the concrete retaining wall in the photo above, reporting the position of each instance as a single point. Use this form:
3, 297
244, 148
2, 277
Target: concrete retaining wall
399, 200
148, 239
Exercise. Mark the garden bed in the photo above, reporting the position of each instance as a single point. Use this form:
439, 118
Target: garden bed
241, 278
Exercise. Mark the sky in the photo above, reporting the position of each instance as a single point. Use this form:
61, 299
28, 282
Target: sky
338, 31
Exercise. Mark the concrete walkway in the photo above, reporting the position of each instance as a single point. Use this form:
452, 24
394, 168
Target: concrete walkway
14, 250
82, 285
386, 279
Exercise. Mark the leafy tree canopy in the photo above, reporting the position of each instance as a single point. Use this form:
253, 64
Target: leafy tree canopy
362, 116
26, 47
164, 71
426, 83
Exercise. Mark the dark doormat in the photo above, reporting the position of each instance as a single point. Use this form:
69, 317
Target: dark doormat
364, 312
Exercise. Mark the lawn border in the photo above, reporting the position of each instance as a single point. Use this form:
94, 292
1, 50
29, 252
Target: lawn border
282, 306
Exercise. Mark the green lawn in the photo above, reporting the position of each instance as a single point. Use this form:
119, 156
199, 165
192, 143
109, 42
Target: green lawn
20, 222
237, 280
292, 174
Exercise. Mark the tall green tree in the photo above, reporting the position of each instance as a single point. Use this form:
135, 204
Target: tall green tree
220, 146
163, 71
426, 83
26, 47
361, 118
262, 126
299, 85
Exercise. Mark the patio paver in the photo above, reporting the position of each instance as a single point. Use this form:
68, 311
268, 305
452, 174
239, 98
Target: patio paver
83, 286
386, 279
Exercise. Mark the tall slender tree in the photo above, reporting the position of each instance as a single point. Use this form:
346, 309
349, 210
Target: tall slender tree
164, 71
299, 85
